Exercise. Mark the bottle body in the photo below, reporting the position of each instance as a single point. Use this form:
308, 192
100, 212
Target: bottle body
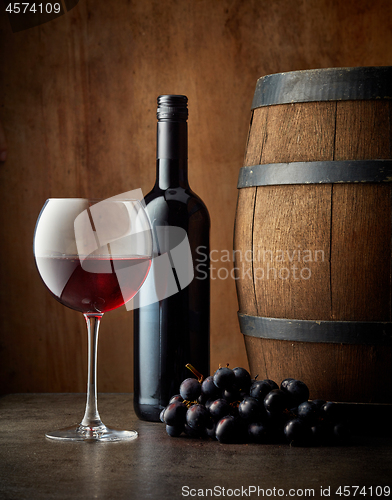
174, 331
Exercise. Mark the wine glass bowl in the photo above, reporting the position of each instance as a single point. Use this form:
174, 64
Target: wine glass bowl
93, 256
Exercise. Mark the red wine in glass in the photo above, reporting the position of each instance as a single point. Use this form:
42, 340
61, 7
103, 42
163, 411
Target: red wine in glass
93, 284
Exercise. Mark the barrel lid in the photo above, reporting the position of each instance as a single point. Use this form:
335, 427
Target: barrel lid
328, 84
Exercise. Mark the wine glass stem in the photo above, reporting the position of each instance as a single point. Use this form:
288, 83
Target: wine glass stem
91, 416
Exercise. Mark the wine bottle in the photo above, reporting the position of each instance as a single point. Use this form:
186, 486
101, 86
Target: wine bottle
174, 330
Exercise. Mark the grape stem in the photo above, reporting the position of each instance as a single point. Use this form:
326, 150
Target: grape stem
196, 373
189, 403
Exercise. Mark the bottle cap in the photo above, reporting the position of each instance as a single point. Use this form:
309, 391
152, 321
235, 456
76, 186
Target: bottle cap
172, 107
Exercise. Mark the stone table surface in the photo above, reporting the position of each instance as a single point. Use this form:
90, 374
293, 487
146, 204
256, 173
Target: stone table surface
155, 466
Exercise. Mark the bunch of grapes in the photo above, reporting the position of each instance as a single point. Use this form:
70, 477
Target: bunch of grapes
231, 407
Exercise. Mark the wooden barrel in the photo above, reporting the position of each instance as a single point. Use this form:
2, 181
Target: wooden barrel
312, 238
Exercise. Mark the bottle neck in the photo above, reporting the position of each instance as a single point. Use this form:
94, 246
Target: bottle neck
172, 154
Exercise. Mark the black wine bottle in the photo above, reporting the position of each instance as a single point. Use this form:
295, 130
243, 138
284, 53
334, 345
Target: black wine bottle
172, 329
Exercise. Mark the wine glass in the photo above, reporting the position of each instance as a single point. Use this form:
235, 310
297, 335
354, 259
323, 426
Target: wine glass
93, 256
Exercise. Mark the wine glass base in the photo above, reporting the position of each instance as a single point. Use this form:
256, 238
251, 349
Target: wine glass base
99, 433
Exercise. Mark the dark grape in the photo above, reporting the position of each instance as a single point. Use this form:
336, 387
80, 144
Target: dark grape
283, 385
259, 433
219, 408
273, 384
308, 412
227, 430
341, 432
250, 409
174, 431
202, 399
298, 391
242, 379
297, 432
224, 378
198, 418
276, 402
190, 389
175, 398
331, 412
194, 433
209, 389
175, 414
162, 415
260, 388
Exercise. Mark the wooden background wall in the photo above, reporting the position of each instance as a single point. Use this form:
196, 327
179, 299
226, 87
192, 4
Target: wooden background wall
78, 101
